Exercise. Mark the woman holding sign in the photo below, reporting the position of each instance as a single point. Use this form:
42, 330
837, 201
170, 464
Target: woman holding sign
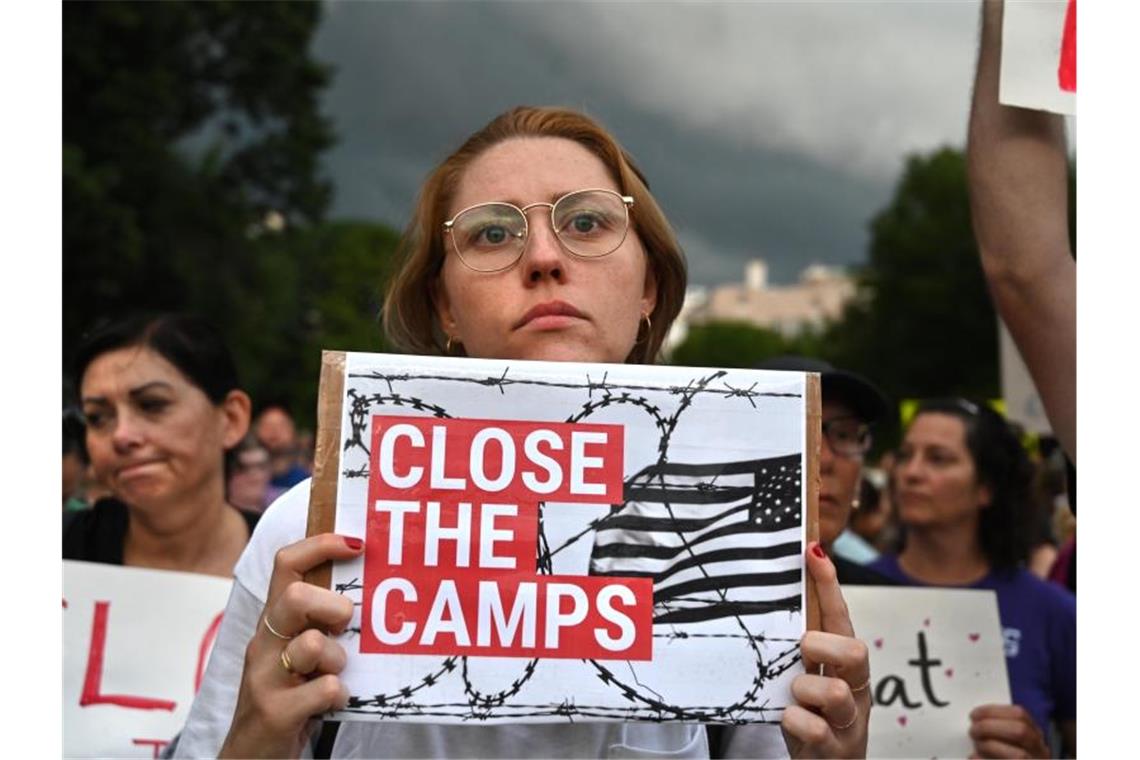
537, 239
962, 487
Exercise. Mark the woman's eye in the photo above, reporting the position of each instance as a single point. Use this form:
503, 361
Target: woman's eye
95, 420
492, 235
584, 223
153, 405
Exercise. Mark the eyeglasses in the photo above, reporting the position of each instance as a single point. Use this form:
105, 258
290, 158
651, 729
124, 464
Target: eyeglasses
847, 436
491, 237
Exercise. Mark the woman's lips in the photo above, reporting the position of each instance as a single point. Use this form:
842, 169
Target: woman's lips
137, 468
550, 315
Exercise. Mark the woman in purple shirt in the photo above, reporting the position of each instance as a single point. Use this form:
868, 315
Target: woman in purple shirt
962, 488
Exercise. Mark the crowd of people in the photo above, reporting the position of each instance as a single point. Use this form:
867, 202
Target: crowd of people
538, 238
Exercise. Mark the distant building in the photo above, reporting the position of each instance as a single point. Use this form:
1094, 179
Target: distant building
818, 297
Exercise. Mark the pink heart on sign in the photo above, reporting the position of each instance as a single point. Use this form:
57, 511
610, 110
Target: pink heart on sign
878, 643
975, 636
926, 622
902, 720
949, 672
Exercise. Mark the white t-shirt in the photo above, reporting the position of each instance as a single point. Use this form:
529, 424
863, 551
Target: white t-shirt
210, 715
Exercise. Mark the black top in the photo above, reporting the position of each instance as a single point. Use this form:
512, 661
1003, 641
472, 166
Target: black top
97, 534
853, 574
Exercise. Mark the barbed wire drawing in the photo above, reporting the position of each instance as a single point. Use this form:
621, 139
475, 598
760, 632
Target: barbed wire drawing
699, 518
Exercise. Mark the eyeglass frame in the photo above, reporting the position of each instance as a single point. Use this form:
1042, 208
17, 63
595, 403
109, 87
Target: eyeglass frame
865, 432
627, 204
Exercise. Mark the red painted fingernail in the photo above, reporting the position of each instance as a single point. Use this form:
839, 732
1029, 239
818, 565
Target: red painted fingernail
817, 550
353, 543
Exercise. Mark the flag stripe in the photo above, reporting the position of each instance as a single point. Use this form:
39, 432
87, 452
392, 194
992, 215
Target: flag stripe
705, 470
712, 612
727, 582
653, 566
669, 546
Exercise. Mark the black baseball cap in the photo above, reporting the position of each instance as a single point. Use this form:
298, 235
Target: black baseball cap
854, 390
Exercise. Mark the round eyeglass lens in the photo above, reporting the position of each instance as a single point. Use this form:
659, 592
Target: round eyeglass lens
591, 222
489, 237
848, 437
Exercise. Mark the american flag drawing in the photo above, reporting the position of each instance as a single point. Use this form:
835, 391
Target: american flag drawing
719, 540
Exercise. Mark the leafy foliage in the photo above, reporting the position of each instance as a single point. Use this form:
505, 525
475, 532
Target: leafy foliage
739, 345
192, 141
922, 323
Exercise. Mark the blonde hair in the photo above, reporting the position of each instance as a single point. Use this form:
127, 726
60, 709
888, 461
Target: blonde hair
409, 315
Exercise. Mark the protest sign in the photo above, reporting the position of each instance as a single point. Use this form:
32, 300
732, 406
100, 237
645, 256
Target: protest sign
135, 645
1039, 55
558, 542
936, 654
1022, 401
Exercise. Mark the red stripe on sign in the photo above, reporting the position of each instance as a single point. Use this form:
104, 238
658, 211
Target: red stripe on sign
1067, 69
156, 745
93, 680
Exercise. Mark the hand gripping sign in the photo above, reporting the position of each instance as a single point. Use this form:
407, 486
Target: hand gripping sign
554, 542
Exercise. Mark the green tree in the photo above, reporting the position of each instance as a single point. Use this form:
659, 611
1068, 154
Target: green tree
185, 125
738, 344
922, 323
342, 268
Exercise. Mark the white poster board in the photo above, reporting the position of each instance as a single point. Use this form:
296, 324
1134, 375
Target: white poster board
135, 645
1022, 401
936, 654
1039, 55
556, 542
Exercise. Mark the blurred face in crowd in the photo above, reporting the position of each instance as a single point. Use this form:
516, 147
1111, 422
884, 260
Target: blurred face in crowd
73, 469
275, 430
152, 435
935, 479
249, 481
550, 305
838, 472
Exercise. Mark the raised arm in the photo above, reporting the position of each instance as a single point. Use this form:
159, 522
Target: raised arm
1018, 175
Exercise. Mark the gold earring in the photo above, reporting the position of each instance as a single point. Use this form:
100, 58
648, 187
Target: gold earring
648, 323
448, 349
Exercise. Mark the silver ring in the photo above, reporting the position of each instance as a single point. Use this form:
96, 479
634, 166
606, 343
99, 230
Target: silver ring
269, 627
858, 689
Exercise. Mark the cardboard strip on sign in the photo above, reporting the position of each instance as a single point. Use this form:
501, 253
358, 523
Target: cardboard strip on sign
326, 458
812, 434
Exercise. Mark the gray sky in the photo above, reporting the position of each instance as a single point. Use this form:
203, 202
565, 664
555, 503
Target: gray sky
765, 128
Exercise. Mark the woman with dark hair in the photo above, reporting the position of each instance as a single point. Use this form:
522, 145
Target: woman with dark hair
162, 404
962, 485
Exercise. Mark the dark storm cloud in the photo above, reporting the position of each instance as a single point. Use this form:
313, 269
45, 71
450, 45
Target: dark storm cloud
753, 142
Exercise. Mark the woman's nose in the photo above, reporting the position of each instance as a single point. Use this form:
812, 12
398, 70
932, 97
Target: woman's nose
909, 469
543, 257
126, 434
826, 456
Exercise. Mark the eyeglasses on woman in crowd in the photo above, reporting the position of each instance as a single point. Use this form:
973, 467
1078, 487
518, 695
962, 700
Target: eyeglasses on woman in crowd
847, 436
